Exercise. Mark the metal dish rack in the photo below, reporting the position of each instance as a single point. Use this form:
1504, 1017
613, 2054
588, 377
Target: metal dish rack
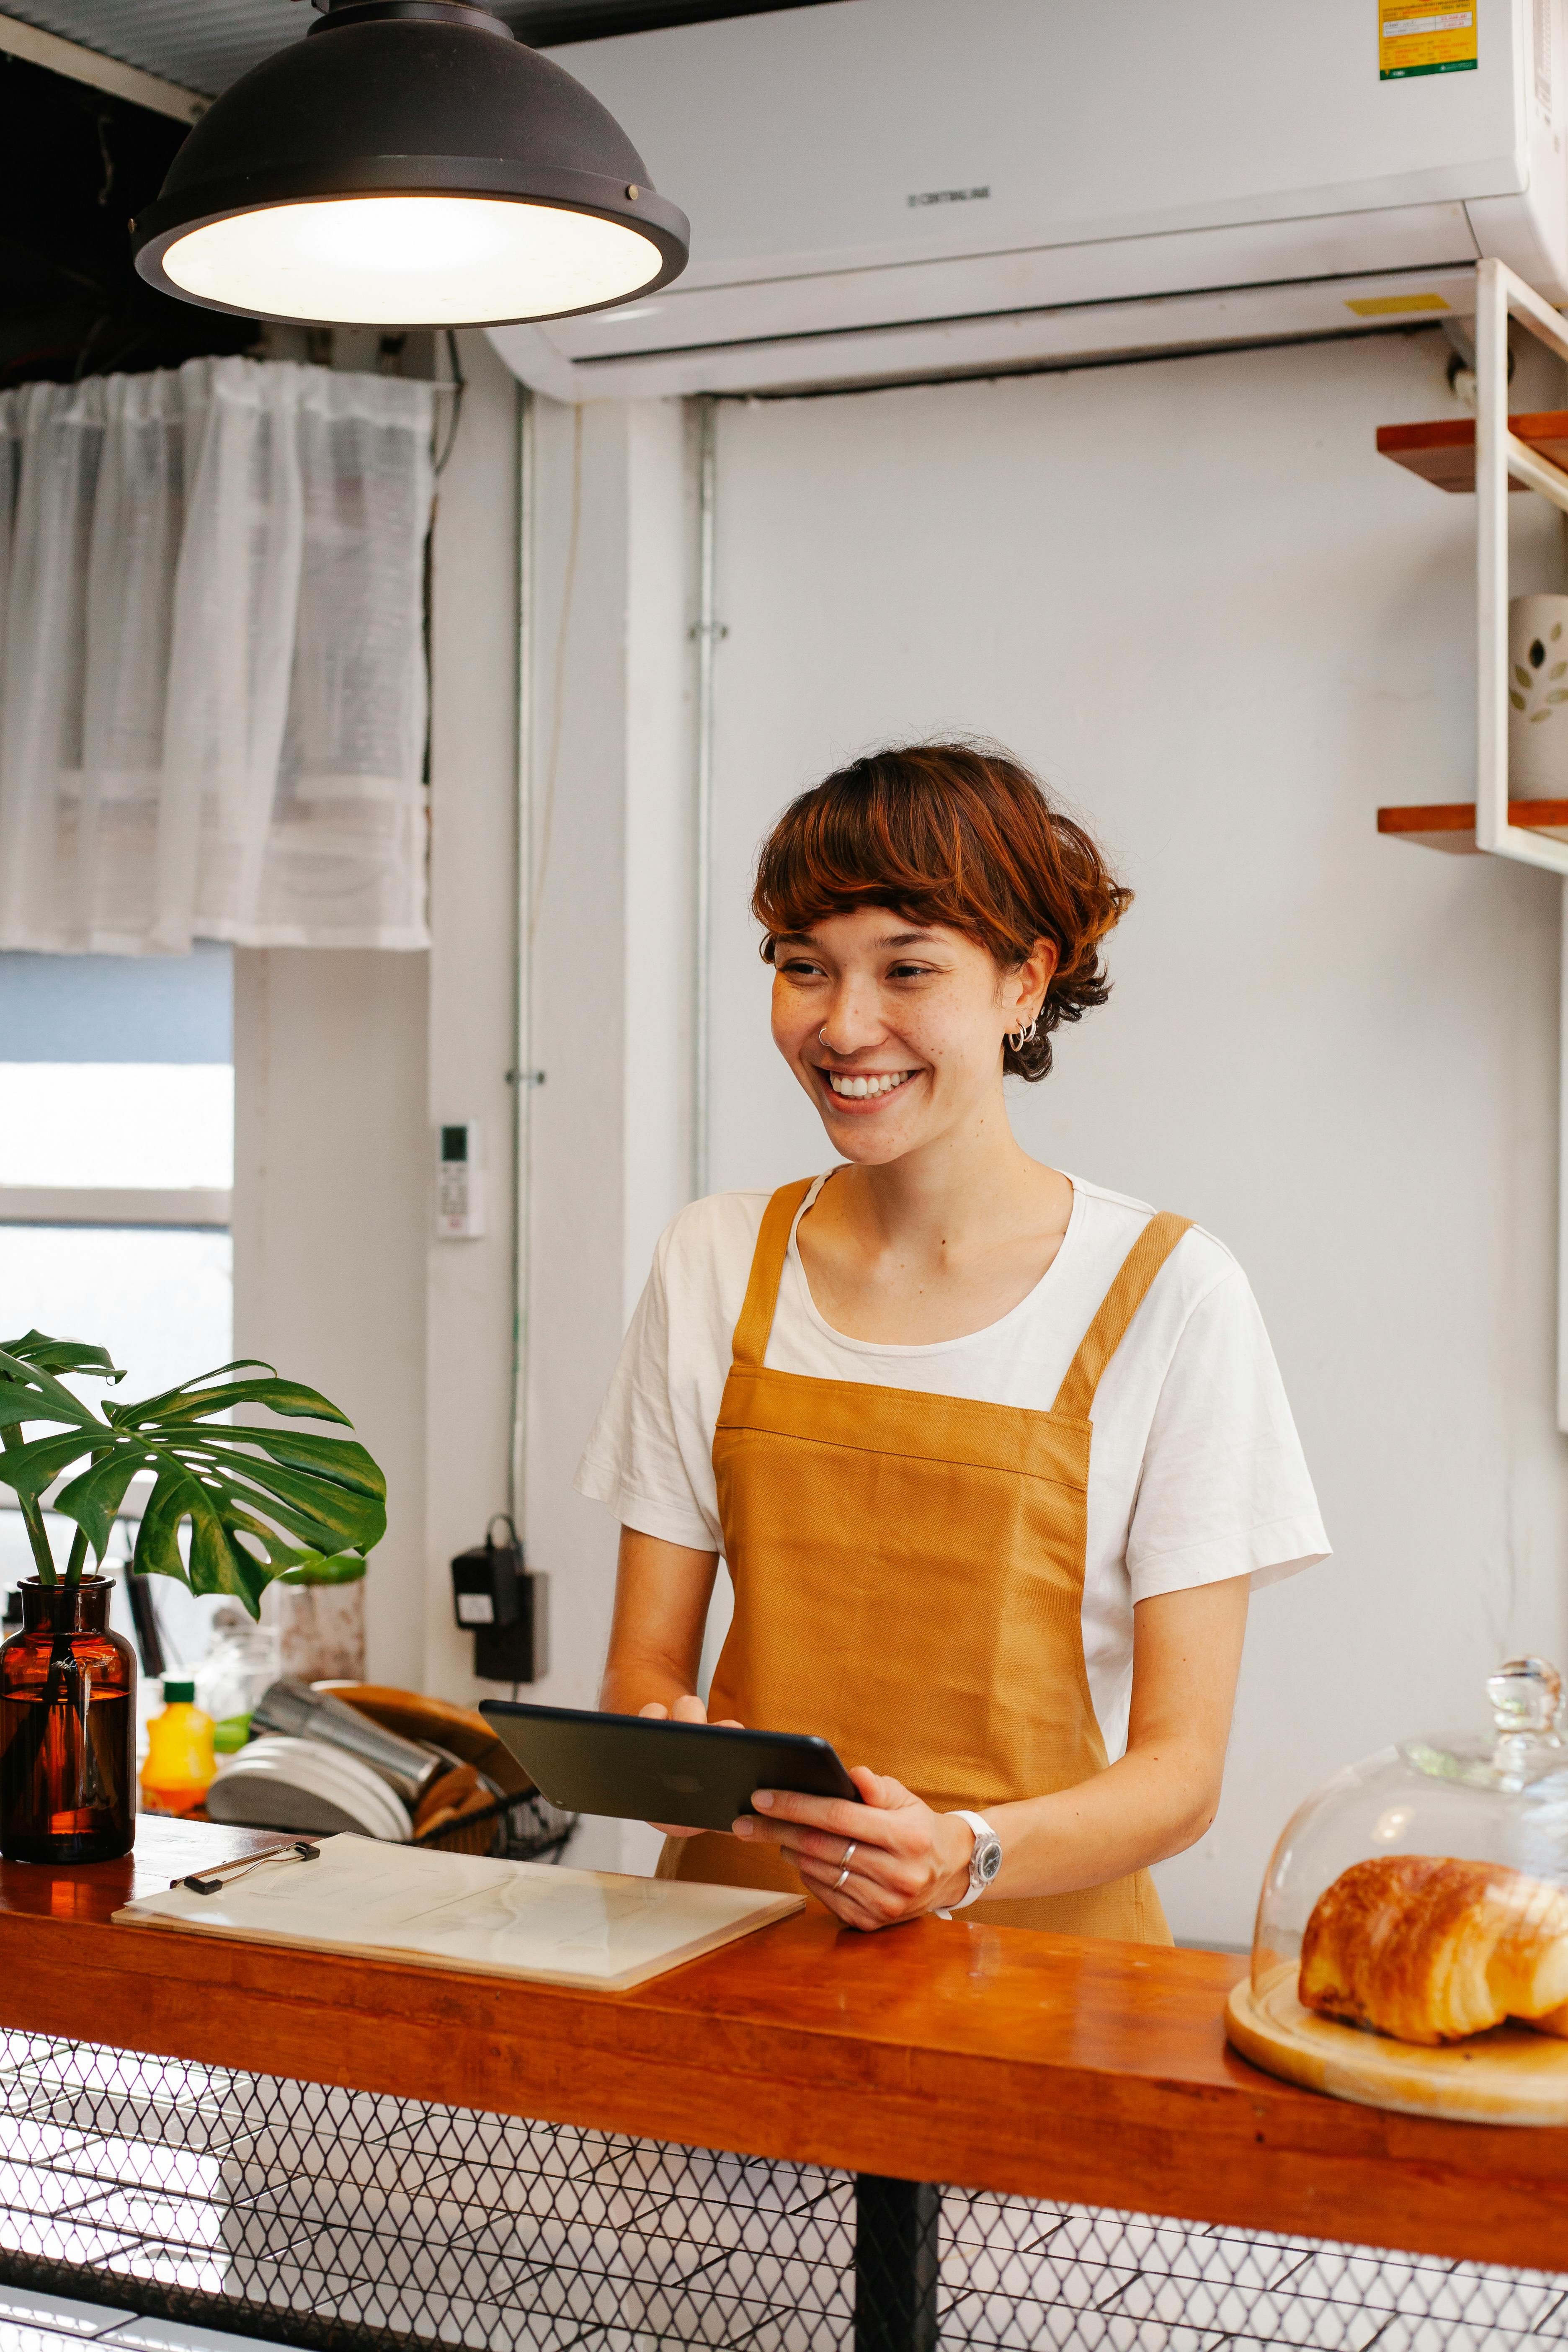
513, 1829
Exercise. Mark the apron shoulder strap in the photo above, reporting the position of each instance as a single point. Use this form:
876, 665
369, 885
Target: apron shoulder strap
751, 1340
1148, 1253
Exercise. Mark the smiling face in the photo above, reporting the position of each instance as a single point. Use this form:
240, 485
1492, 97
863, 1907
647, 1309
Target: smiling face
894, 1028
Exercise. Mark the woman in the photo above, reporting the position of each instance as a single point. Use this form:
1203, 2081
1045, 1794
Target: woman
993, 1455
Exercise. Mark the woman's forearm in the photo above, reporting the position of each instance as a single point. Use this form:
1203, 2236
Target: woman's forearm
635, 1681
1155, 1802
662, 1592
1161, 1797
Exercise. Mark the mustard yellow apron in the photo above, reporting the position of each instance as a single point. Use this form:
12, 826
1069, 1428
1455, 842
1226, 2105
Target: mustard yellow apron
908, 1573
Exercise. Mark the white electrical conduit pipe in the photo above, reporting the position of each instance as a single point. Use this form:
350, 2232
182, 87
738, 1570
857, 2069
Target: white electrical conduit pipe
524, 1077
708, 632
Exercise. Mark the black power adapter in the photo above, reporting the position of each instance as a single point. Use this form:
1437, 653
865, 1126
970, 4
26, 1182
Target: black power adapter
503, 1606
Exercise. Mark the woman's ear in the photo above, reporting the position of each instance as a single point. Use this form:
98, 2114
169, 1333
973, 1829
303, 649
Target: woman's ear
1029, 983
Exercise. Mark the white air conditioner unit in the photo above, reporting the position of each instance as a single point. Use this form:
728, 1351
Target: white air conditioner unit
895, 188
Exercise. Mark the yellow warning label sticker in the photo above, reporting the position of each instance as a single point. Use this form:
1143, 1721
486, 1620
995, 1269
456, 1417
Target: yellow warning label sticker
1390, 306
1414, 37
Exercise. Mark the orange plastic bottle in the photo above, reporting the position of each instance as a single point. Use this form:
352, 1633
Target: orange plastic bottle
180, 1766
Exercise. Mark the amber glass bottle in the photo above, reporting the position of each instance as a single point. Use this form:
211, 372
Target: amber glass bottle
67, 1742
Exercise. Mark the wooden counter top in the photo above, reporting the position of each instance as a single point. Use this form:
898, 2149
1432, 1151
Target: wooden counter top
979, 2056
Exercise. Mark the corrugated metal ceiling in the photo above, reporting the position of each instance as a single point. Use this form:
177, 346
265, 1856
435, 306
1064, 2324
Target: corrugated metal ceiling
204, 44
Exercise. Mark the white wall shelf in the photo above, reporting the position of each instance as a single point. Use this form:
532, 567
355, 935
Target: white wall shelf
1492, 455
1451, 825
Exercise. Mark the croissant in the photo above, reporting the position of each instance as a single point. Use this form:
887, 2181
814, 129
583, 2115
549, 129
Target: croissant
1429, 1950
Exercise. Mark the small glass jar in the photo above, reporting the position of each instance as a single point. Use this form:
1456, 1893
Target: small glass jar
68, 1737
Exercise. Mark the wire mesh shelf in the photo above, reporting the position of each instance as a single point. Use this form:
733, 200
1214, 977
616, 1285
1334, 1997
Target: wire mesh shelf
157, 2195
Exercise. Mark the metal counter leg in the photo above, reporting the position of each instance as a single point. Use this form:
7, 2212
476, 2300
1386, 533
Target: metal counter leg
895, 2263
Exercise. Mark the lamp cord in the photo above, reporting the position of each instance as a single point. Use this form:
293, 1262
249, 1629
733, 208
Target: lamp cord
459, 386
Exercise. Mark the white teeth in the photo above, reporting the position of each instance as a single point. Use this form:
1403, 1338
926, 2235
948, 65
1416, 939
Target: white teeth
858, 1087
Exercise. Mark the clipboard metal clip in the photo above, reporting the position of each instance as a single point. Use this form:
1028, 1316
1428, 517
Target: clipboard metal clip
214, 1883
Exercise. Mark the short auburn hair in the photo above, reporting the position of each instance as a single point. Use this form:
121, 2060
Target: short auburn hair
952, 833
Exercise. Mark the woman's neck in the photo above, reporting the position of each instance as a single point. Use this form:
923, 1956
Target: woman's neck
937, 1244
959, 1191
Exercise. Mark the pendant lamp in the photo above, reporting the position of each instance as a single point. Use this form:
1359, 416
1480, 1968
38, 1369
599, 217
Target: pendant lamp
409, 164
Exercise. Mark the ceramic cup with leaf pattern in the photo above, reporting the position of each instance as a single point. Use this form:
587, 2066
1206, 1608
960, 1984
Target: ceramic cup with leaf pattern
1538, 699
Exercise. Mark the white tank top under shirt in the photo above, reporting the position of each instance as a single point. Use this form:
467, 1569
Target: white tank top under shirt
1196, 1473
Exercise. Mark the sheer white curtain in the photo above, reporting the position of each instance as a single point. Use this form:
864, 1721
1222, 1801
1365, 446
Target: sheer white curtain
212, 666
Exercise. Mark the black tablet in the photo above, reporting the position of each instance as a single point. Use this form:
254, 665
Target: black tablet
633, 1766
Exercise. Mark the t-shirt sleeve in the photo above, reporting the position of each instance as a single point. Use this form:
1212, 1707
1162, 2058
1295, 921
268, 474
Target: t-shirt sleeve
636, 1460
1225, 1489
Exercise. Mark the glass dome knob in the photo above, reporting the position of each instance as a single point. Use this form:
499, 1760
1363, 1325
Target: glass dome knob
1526, 1697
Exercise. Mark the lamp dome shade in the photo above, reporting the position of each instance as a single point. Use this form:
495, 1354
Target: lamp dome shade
409, 164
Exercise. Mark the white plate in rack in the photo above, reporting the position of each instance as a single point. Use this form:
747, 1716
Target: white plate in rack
279, 1783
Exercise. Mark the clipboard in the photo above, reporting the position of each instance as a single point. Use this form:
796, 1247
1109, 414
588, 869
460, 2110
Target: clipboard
595, 1929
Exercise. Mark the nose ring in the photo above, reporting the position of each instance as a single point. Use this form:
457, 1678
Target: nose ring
822, 1036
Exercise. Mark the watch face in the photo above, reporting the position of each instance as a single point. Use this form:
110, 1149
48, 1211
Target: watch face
986, 1859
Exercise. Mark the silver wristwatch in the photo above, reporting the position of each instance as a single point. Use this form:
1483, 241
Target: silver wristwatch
984, 1861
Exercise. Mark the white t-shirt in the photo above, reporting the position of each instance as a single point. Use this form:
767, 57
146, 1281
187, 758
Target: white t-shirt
1195, 1471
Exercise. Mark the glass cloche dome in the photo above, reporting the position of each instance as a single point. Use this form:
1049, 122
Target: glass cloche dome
1411, 1942
1476, 1795
1497, 1797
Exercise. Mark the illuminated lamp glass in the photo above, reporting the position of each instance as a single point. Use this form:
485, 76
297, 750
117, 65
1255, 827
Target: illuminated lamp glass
408, 165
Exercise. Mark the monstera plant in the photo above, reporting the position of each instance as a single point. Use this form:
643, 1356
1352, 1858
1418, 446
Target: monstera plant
255, 1501
233, 1503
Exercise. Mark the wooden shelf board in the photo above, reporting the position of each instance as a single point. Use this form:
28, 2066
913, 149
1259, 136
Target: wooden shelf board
1445, 452
1451, 825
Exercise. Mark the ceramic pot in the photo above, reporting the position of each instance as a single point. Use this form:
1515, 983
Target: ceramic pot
320, 1629
68, 1728
1538, 699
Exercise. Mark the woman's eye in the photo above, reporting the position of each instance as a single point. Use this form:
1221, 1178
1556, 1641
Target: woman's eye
799, 969
909, 972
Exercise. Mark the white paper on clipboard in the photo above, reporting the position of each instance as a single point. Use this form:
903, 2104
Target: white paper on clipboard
592, 1928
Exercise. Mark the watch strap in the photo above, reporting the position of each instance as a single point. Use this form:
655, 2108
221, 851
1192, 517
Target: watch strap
980, 1828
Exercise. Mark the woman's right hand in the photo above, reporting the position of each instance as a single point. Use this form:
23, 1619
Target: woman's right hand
690, 1709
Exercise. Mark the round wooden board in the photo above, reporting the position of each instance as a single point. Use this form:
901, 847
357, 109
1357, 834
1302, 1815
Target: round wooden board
1508, 2076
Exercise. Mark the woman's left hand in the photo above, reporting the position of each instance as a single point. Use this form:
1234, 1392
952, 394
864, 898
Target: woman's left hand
903, 1860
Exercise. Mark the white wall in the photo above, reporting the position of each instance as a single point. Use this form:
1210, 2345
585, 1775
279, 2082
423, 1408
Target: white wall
612, 798
328, 1224
1225, 630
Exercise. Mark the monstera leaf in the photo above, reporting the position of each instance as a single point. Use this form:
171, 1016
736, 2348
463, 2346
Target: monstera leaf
38, 1353
48, 1355
256, 1500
